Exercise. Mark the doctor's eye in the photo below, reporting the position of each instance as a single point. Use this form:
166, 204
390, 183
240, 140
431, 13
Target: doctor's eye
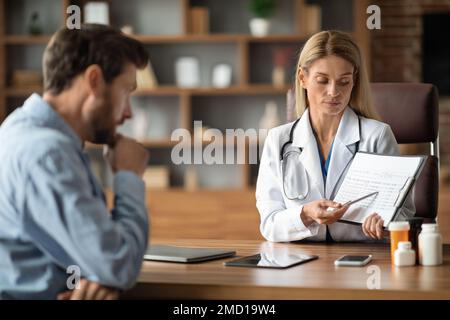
322, 80
344, 82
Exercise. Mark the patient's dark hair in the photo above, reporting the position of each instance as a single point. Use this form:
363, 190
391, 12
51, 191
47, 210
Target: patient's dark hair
70, 52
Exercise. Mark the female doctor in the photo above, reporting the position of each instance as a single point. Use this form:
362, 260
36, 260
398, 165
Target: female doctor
304, 162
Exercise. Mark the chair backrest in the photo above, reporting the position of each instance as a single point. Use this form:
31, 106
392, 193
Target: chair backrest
412, 111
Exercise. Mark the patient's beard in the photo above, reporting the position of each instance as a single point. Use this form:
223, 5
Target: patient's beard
104, 136
104, 125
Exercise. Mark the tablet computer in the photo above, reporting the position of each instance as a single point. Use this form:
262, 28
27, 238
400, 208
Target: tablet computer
263, 260
185, 254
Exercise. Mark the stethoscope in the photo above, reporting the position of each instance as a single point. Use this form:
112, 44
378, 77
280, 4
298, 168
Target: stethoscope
288, 151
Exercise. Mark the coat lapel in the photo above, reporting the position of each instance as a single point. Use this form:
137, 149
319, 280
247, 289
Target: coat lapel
343, 149
304, 138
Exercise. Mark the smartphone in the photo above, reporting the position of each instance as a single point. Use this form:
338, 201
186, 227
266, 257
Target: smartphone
353, 261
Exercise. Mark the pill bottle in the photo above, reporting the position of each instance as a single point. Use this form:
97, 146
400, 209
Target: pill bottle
430, 245
399, 231
404, 256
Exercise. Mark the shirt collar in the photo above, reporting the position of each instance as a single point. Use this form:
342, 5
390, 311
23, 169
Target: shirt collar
48, 117
348, 130
303, 133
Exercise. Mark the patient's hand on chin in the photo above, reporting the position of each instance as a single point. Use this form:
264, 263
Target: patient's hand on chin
114, 140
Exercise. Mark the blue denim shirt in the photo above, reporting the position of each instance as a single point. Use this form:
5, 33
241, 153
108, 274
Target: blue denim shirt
53, 212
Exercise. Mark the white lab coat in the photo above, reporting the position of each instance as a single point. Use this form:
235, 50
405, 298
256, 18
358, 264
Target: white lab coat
280, 217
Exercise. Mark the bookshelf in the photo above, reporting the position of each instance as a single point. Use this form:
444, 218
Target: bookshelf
163, 27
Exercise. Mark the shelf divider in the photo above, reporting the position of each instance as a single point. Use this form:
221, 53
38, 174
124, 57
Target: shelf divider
65, 4
184, 5
243, 62
360, 32
185, 111
214, 37
300, 17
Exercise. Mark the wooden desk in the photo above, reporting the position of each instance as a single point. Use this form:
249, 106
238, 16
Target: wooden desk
318, 279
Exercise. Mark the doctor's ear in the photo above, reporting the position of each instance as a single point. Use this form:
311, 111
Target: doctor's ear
301, 74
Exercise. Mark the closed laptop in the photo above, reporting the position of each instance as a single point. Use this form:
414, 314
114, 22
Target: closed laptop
184, 254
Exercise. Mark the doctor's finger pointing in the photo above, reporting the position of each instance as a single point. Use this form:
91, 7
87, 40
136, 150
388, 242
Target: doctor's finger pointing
336, 214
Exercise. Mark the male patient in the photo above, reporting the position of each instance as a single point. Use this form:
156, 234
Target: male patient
52, 210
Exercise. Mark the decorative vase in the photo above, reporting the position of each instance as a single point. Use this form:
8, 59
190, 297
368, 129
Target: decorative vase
187, 72
221, 77
259, 27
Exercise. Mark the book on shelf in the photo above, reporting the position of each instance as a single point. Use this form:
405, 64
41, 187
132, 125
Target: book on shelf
313, 18
198, 20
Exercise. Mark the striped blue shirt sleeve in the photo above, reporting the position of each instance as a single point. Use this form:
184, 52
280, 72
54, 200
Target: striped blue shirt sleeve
72, 224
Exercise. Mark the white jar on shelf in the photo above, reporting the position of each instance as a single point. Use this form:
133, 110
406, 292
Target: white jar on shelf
259, 27
430, 245
221, 77
187, 72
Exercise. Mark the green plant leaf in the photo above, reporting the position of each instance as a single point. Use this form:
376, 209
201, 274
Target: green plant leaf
262, 8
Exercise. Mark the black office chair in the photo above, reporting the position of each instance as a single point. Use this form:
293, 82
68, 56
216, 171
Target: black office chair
412, 111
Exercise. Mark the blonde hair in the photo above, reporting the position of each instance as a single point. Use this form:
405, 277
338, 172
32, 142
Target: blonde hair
340, 44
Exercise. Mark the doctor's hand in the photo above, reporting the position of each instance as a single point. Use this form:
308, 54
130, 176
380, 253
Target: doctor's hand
373, 227
316, 211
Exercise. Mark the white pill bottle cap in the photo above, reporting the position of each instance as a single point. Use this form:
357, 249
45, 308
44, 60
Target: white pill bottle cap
399, 226
404, 245
430, 227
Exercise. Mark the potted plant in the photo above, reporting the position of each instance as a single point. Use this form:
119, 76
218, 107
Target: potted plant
262, 11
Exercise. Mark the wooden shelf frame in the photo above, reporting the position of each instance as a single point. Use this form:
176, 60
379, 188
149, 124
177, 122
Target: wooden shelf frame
243, 42
26, 39
170, 39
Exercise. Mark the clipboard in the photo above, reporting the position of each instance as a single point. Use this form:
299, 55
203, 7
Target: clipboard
402, 194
